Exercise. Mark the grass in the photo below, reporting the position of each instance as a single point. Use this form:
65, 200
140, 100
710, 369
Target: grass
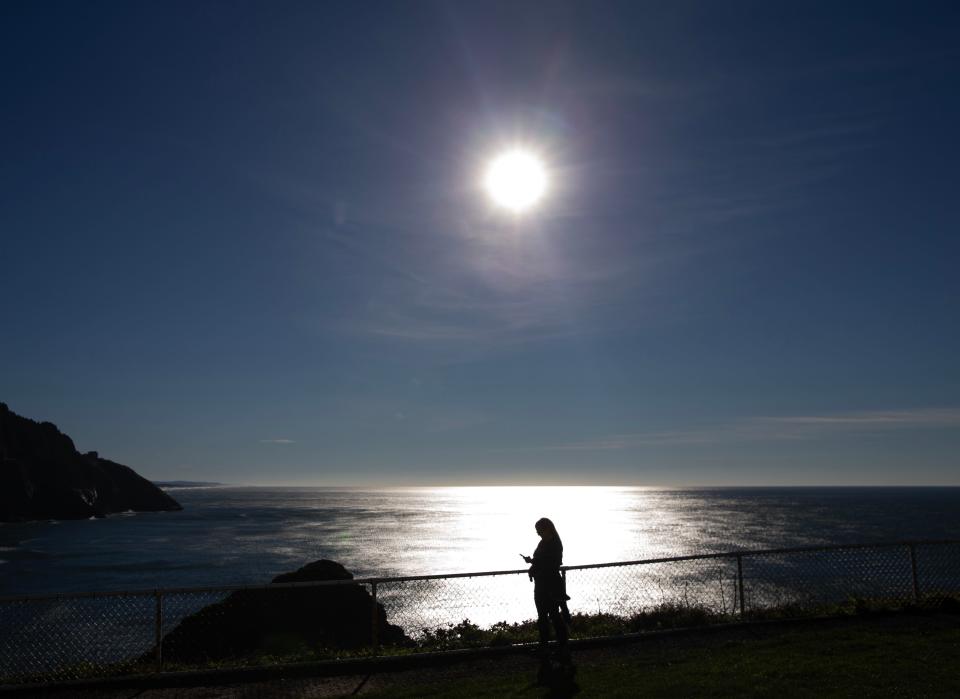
282, 649
900, 654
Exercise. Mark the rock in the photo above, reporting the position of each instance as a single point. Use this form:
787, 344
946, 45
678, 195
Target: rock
43, 476
274, 622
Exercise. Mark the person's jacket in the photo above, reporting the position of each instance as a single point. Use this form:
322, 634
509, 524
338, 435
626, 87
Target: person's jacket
547, 560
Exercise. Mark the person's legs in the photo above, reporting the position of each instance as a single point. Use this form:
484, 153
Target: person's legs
563, 635
543, 617
559, 625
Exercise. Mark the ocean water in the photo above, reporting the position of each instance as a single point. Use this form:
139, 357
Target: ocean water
230, 535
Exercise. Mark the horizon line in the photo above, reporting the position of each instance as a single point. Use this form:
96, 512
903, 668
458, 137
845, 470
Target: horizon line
411, 486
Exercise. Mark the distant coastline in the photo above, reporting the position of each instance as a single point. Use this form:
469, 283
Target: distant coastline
178, 485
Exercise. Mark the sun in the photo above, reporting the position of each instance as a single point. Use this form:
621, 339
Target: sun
516, 180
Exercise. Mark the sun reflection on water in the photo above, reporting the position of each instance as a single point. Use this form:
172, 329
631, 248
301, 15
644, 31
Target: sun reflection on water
486, 528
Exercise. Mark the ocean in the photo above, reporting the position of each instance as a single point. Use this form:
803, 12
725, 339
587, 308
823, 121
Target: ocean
241, 535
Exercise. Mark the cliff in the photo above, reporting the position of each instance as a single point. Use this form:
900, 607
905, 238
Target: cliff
43, 476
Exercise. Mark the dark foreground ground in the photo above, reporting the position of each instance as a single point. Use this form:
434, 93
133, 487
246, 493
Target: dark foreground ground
893, 655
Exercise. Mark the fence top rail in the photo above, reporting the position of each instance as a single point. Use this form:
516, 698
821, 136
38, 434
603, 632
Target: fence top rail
765, 552
148, 592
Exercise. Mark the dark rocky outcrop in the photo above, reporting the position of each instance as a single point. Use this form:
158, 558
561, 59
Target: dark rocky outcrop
273, 622
43, 476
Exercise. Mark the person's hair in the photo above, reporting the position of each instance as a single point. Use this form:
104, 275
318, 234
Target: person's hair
547, 524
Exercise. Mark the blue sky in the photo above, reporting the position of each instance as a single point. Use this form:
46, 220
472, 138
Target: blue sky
246, 242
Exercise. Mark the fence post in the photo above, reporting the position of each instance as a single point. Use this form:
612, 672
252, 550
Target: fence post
158, 598
913, 569
375, 628
740, 581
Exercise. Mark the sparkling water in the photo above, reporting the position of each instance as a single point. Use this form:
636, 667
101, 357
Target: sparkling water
229, 535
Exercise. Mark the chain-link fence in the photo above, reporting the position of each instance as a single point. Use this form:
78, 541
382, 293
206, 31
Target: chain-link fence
68, 637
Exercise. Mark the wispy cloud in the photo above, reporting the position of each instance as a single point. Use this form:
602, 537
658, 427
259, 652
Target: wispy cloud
426, 263
892, 419
490, 288
778, 428
277, 441
769, 170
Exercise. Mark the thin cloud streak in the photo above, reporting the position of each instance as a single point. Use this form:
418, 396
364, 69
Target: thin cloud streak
277, 441
780, 428
902, 418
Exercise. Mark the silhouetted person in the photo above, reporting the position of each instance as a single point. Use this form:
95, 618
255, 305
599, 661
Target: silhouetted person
549, 591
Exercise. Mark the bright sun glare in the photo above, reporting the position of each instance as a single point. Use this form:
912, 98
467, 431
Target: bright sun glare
516, 180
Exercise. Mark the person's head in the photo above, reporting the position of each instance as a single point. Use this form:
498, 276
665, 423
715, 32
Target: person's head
545, 528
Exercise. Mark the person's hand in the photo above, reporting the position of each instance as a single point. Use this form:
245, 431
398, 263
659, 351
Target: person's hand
528, 559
